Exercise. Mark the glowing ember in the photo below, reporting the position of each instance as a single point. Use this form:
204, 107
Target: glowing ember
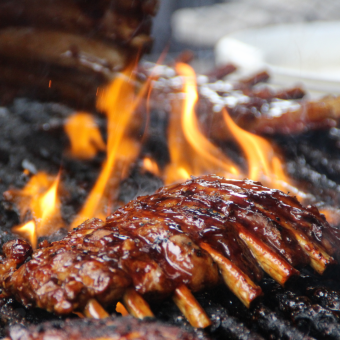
84, 135
38, 201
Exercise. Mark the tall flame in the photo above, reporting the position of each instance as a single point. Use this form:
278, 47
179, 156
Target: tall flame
84, 135
258, 151
119, 102
263, 162
190, 151
38, 201
193, 154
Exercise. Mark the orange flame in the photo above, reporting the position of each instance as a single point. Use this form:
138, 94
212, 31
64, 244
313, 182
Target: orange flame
150, 165
258, 151
28, 230
119, 101
263, 162
121, 309
84, 135
39, 201
193, 154
190, 151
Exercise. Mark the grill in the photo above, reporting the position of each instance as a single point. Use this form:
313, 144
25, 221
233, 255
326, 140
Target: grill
33, 139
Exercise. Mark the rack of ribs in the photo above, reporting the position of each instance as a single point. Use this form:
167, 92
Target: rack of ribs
184, 238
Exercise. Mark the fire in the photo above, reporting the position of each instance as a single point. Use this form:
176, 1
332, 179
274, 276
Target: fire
28, 230
190, 151
119, 102
263, 163
121, 309
84, 135
193, 154
151, 165
37, 201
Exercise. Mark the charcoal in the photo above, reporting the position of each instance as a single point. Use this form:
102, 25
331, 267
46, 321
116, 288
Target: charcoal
32, 139
138, 184
275, 327
224, 326
260, 319
155, 138
309, 317
325, 297
12, 313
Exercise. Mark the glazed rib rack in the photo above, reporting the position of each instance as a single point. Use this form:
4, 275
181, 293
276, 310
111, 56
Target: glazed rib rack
185, 238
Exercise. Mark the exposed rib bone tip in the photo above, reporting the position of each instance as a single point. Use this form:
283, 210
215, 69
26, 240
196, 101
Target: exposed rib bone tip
190, 307
237, 281
319, 259
136, 305
94, 310
274, 265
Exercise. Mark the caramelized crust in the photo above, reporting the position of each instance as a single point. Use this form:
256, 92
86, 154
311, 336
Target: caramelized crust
184, 234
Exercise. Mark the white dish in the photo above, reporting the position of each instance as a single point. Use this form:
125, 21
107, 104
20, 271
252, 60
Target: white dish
306, 52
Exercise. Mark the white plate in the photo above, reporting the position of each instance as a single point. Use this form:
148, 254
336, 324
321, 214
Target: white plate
307, 53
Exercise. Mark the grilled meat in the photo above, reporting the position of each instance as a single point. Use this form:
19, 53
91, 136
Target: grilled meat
254, 106
64, 50
183, 234
91, 329
104, 20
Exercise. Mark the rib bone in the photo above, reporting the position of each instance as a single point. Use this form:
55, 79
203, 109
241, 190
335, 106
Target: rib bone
190, 307
273, 264
94, 310
237, 281
136, 305
319, 259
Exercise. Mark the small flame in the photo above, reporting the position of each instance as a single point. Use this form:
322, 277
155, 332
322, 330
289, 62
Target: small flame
190, 151
39, 201
151, 165
121, 309
119, 101
84, 135
28, 230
